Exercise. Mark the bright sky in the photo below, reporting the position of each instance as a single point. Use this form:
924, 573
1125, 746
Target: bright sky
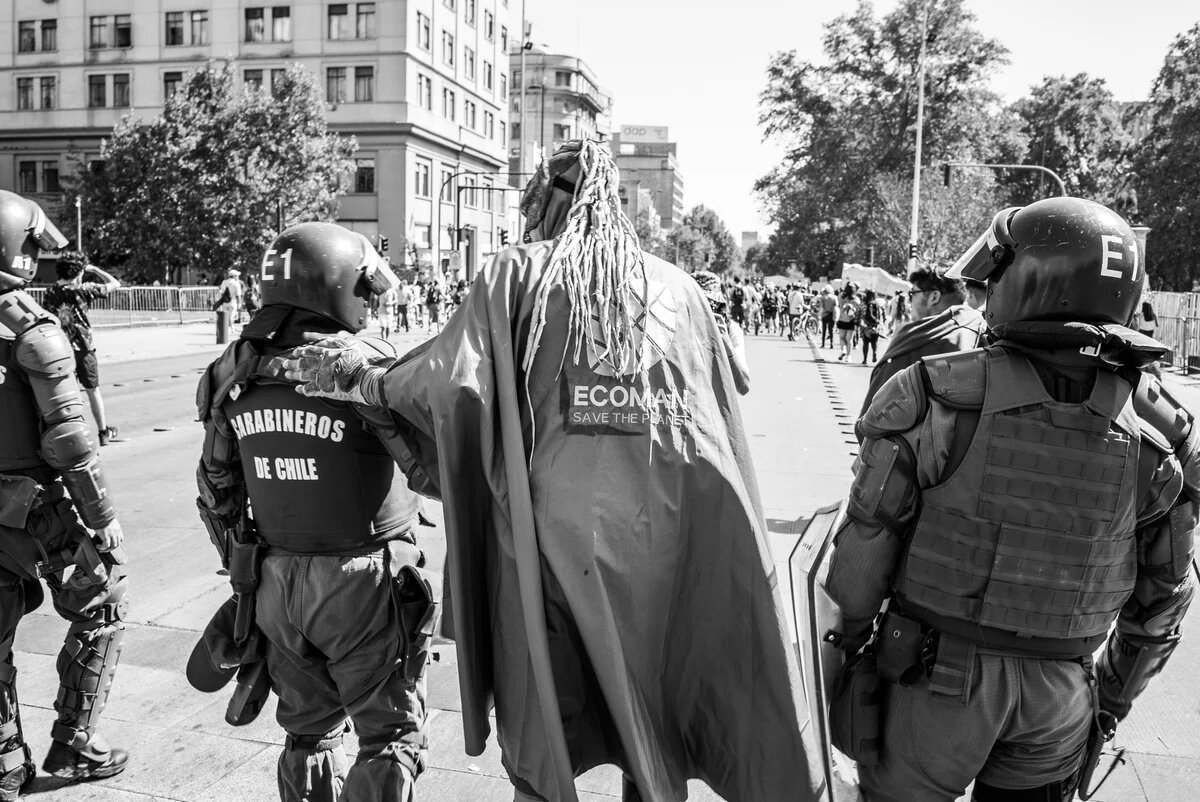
698, 66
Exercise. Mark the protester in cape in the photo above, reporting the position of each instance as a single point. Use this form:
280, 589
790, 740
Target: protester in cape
943, 321
305, 505
610, 582
80, 283
1013, 503
732, 336
57, 520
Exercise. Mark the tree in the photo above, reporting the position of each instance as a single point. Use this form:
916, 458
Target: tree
850, 122
1167, 169
204, 186
1073, 127
703, 242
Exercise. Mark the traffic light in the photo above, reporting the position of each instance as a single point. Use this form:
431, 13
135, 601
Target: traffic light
945, 175
912, 250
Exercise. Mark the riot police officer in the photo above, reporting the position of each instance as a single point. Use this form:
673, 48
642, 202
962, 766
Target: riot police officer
1012, 502
55, 514
302, 498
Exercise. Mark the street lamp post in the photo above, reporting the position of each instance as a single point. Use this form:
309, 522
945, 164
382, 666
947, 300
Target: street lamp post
916, 192
457, 207
1062, 188
78, 223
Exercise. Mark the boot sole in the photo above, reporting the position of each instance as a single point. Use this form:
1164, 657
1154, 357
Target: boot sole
71, 774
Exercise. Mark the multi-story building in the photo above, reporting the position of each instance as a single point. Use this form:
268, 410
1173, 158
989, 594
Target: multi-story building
422, 85
562, 99
645, 154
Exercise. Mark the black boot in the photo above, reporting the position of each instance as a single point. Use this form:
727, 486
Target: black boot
94, 760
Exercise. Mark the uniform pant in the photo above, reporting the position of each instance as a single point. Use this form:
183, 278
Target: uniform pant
1018, 723
334, 650
93, 604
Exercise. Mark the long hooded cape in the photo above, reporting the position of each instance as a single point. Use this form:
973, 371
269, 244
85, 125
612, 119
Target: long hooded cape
610, 586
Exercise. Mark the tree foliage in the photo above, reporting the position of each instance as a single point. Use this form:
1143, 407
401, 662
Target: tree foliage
203, 186
703, 242
849, 127
1073, 126
1167, 168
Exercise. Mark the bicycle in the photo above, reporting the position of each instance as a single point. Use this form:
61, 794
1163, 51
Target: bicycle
804, 322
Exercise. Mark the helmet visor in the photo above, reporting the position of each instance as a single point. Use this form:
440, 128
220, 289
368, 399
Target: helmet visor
992, 250
377, 273
44, 232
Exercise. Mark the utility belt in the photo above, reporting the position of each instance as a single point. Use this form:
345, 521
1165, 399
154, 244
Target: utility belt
314, 545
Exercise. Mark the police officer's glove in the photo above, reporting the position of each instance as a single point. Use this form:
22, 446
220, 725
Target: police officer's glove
333, 368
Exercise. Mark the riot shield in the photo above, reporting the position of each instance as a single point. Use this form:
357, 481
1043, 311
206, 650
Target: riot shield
816, 614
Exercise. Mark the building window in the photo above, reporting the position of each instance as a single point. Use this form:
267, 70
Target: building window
121, 90
487, 76
448, 104
450, 4
562, 131
364, 176
421, 234
364, 84
26, 36
425, 92
256, 25
49, 91
447, 195
339, 18
50, 177
423, 32
96, 92
99, 33
469, 12
469, 63
199, 28
49, 34
470, 198
504, 39
503, 133
489, 26
281, 24
335, 84
122, 31
503, 86
469, 114
254, 79
421, 179
277, 76
562, 78
448, 48
489, 124
171, 81
364, 21
174, 35
24, 94
27, 177
486, 192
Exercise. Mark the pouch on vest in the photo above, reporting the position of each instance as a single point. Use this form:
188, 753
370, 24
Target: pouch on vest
418, 595
856, 710
18, 496
903, 648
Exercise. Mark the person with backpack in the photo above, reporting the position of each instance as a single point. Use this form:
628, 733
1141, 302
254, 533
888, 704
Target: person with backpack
870, 322
433, 307
848, 311
737, 303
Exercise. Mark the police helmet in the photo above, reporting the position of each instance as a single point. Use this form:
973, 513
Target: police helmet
24, 230
1063, 259
327, 269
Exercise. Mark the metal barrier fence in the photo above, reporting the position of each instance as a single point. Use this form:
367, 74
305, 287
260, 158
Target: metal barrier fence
1178, 316
148, 306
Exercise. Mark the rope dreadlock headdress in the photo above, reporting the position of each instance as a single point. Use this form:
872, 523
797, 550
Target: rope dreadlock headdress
597, 260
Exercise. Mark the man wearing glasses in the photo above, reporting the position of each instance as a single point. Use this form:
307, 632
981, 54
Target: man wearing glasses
945, 319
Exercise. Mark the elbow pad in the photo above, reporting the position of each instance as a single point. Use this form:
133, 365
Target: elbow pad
69, 448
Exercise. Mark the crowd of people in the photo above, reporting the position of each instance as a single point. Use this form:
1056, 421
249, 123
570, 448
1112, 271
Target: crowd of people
1024, 498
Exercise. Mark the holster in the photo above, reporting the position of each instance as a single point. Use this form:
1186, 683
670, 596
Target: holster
418, 597
245, 562
857, 708
904, 648
18, 496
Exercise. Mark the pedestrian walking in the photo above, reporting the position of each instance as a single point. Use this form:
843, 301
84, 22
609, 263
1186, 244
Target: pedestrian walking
57, 521
848, 310
387, 316
870, 320
78, 285
583, 379
732, 336
229, 296
1013, 503
828, 310
402, 301
433, 306
327, 567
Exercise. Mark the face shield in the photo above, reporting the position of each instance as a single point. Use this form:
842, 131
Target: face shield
377, 273
45, 233
990, 252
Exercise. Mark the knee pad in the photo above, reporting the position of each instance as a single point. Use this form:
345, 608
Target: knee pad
86, 667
